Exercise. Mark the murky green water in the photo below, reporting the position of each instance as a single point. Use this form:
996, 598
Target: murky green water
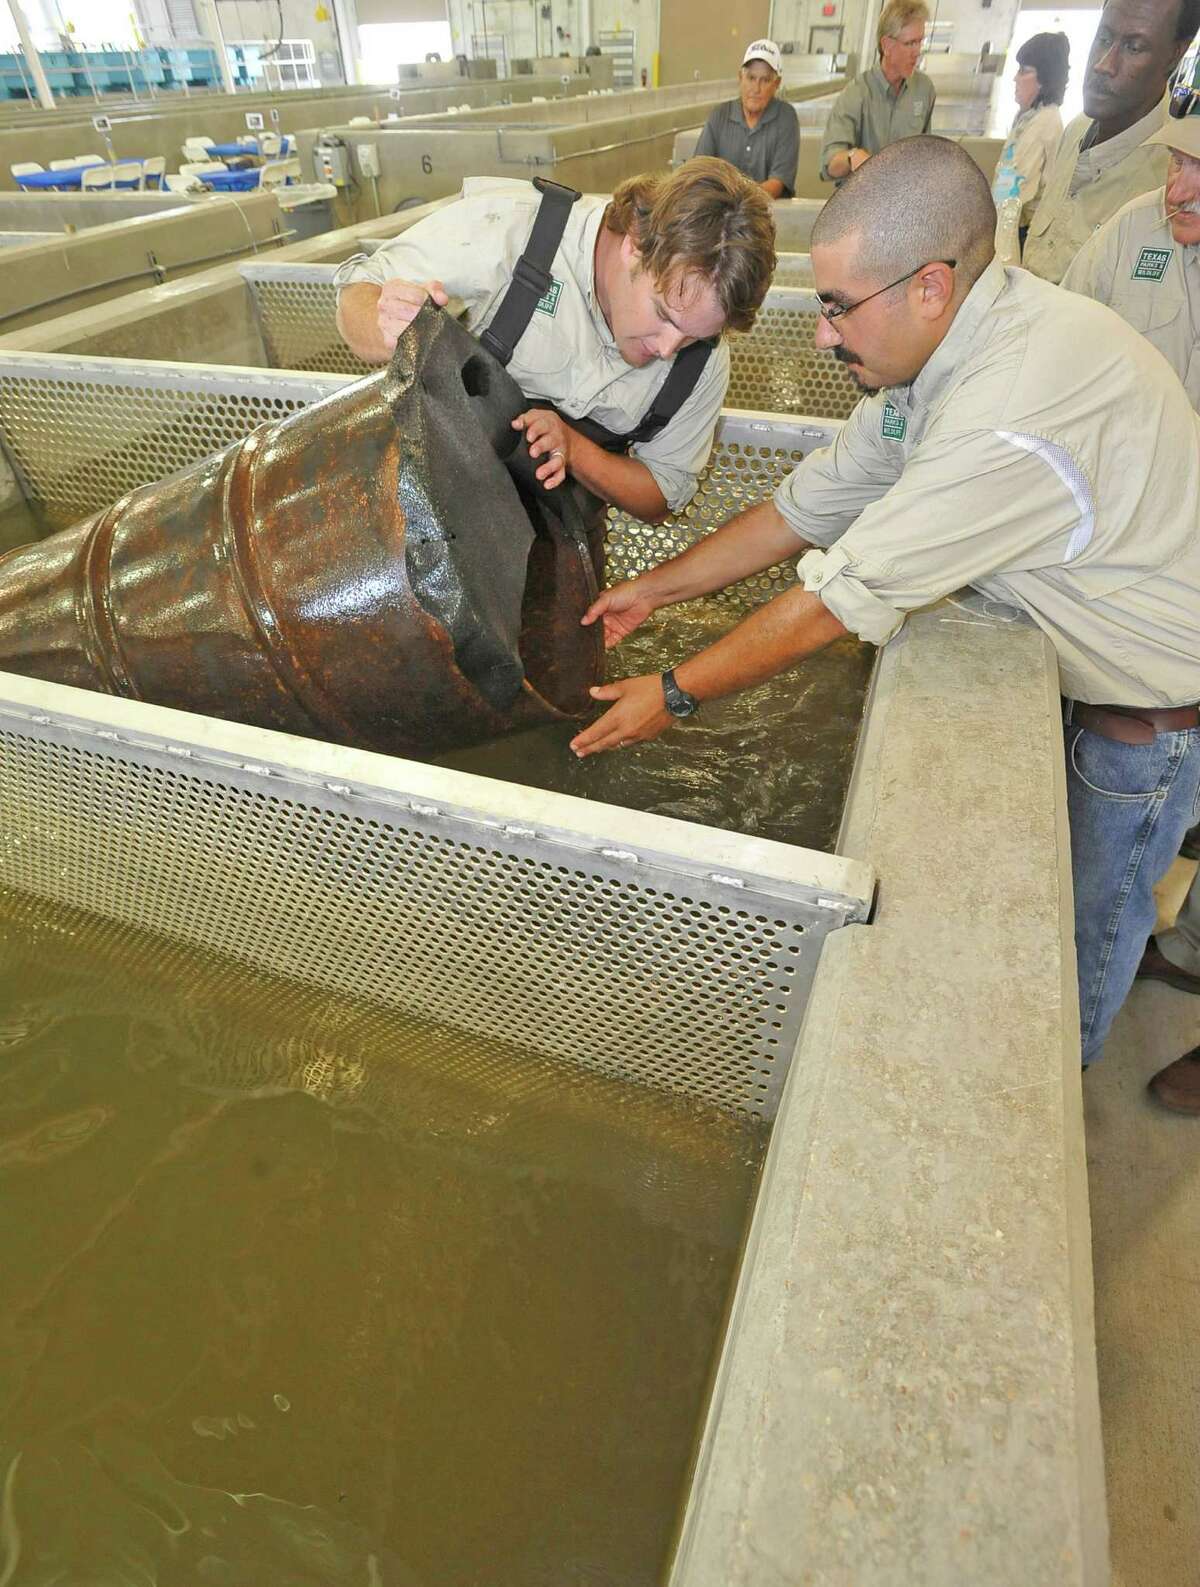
295, 1291
774, 762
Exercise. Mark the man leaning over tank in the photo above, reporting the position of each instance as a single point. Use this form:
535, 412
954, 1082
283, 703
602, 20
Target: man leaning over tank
667, 262
757, 132
1145, 264
892, 100
1104, 159
1011, 438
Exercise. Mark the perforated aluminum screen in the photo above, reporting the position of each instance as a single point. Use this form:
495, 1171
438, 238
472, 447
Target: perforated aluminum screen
776, 368
81, 432
644, 948
752, 454
793, 270
296, 306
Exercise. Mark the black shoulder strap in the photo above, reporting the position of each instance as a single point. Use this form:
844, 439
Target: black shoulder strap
531, 278
674, 391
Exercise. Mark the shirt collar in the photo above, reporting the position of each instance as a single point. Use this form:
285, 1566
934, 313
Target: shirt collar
1114, 150
768, 114
585, 267
973, 309
877, 73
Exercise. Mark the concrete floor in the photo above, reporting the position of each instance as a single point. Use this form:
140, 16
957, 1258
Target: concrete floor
1144, 1179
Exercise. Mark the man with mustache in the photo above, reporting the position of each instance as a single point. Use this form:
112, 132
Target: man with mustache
1145, 264
1106, 156
1013, 437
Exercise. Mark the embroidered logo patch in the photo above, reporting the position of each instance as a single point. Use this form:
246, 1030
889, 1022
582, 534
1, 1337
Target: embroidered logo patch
895, 425
1152, 264
548, 303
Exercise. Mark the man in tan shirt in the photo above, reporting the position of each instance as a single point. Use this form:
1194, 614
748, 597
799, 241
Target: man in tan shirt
1013, 440
1104, 159
1145, 264
1145, 261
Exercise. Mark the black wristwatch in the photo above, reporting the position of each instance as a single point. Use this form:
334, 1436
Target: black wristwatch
678, 701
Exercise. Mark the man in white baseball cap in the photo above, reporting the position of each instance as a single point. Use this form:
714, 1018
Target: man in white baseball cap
756, 132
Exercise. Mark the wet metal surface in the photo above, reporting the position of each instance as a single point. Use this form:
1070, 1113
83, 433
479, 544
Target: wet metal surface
362, 571
299, 1292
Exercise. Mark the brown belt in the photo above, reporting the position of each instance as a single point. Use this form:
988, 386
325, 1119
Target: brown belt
1134, 724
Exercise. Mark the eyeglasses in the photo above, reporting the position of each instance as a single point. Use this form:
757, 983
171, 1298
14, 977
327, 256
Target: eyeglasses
832, 312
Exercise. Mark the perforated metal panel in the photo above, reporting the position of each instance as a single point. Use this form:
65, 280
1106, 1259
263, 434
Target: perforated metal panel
777, 367
589, 934
752, 454
83, 431
793, 270
297, 315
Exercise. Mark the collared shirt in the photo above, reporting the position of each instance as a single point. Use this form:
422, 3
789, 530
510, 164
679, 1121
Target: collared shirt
869, 114
568, 356
771, 149
1135, 266
1048, 457
1085, 186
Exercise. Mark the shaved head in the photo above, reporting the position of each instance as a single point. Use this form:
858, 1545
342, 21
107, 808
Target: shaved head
916, 200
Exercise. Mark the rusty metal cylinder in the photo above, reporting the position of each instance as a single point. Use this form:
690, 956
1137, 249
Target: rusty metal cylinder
379, 570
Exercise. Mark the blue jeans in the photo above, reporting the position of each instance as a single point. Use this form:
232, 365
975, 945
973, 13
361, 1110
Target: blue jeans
1129, 807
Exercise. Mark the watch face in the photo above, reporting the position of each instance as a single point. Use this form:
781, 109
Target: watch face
677, 700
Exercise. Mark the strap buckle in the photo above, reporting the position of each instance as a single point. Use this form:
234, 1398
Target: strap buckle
532, 276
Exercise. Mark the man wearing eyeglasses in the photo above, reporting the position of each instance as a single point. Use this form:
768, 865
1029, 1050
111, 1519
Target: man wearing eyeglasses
1106, 156
1012, 439
1145, 264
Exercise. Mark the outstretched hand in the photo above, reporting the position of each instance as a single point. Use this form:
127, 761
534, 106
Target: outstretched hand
638, 716
623, 608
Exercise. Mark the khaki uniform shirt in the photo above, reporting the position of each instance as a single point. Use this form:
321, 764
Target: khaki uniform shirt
1085, 186
869, 114
1135, 266
1035, 137
771, 149
1046, 456
567, 357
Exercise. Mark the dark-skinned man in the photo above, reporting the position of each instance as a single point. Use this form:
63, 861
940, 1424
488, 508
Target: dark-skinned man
1019, 439
1104, 159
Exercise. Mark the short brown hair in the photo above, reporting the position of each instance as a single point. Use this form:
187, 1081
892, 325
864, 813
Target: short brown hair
707, 220
895, 17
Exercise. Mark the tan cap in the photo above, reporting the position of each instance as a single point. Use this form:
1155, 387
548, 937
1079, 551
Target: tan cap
1183, 134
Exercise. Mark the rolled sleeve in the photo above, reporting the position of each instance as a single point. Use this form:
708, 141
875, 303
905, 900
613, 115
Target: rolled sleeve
679, 453
843, 130
463, 246
831, 576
